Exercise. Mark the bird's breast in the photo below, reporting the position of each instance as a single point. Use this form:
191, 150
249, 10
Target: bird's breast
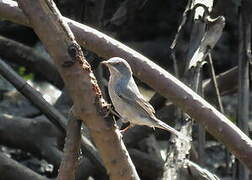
124, 109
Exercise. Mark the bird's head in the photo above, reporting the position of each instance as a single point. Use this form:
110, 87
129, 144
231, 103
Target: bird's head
118, 66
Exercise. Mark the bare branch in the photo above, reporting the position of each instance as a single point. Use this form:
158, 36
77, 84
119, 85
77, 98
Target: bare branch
244, 55
71, 150
16, 52
34, 96
40, 138
89, 106
215, 123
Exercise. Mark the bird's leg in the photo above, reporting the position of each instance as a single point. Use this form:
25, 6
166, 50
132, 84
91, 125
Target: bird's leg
126, 128
111, 110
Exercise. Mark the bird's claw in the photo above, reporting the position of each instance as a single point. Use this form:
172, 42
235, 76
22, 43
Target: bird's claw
111, 110
125, 129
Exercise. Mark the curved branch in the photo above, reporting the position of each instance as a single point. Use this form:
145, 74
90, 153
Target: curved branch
214, 122
21, 54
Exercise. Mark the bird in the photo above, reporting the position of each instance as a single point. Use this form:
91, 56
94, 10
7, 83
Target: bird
127, 99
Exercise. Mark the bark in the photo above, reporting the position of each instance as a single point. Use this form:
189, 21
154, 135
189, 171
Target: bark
150, 73
16, 52
71, 150
89, 106
53, 114
108, 47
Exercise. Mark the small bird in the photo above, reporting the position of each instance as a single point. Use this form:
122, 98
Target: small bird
127, 99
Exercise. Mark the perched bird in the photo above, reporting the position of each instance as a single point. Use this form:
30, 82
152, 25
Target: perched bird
127, 99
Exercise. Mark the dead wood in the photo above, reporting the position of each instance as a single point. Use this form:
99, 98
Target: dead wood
216, 123
71, 150
89, 105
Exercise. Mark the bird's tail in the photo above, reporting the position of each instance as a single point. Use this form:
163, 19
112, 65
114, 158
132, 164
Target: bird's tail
166, 127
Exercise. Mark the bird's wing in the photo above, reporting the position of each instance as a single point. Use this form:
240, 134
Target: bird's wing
132, 96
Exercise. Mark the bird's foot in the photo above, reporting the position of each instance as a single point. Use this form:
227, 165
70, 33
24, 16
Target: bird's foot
126, 128
111, 110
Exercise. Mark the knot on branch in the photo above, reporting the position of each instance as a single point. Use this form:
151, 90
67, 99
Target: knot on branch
104, 109
75, 53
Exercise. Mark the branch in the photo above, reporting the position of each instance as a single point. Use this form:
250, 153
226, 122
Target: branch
244, 57
10, 169
52, 113
40, 137
150, 73
89, 106
71, 150
34, 96
16, 52
200, 173
227, 81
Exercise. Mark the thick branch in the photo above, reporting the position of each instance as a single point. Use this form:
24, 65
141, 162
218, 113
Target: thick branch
10, 169
16, 52
215, 122
244, 57
107, 47
89, 105
40, 137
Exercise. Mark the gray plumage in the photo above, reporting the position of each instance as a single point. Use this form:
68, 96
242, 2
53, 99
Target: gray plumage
127, 99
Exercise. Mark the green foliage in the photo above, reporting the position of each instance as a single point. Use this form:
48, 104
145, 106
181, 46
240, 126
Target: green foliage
22, 71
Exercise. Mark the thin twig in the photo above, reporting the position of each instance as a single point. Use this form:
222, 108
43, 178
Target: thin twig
214, 82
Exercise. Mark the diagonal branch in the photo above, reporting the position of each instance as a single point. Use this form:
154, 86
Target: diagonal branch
89, 106
214, 122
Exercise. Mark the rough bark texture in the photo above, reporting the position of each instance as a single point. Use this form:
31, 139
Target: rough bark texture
215, 123
89, 105
71, 150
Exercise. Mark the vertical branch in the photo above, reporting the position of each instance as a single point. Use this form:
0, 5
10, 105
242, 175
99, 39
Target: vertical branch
243, 83
71, 150
201, 130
